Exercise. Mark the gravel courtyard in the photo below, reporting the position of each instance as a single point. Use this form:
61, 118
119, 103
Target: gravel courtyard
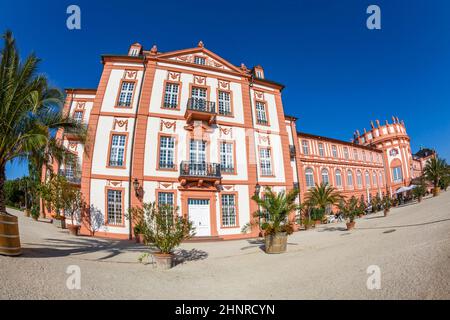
411, 247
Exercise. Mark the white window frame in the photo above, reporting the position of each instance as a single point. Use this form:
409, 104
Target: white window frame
321, 149
229, 216
325, 176
334, 151
265, 161
166, 152
309, 178
114, 207
171, 92
126, 94
305, 147
261, 114
224, 103
226, 157
117, 153
338, 178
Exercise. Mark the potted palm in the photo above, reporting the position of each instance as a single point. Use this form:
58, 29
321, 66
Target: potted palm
317, 215
34, 212
387, 203
435, 170
273, 215
307, 223
165, 230
419, 192
349, 208
320, 197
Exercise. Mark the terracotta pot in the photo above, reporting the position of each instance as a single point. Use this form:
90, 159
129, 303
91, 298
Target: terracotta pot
140, 238
350, 225
35, 218
74, 229
436, 191
360, 215
317, 221
386, 211
164, 261
419, 199
308, 226
27, 213
276, 243
59, 223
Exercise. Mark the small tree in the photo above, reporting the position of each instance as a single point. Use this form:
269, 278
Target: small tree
350, 208
54, 193
164, 229
322, 196
73, 202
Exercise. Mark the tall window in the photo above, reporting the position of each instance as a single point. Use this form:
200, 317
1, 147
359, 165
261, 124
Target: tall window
325, 177
355, 154
126, 93
338, 178
224, 103
265, 161
349, 178
228, 210
334, 151
367, 179
309, 177
381, 179
364, 156
261, 116
114, 207
199, 60
345, 152
166, 199
374, 178
78, 116
226, 157
117, 153
305, 146
397, 174
171, 95
321, 152
359, 178
371, 157
198, 96
197, 151
166, 152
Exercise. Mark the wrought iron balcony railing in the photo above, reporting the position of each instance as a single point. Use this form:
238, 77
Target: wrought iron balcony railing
200, 170
202, 105
70, 175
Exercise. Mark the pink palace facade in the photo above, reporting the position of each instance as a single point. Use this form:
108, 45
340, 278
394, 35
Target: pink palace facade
189, 129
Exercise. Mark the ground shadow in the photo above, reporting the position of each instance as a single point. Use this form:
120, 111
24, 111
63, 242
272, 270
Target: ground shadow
52, 248
182, 256
332, 229
407, 225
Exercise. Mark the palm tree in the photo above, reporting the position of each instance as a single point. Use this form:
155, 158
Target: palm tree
322, 196
435, 170
274, 210
30, 112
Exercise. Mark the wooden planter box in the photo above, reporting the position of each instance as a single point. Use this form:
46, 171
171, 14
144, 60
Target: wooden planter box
276, 243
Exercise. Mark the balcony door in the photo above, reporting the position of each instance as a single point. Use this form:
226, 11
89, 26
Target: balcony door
197, 158
198, 96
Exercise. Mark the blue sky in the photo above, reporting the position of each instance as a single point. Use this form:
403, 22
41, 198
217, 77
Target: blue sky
338, 74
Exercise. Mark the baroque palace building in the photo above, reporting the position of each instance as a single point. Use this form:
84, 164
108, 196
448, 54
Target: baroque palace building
189, 129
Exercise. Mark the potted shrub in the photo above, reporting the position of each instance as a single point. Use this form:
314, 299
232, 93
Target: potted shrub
307, 222
72, 204
349, 208
273, 214
387, 203
165, 230
34, 213
137, 216
419, 192
320, 197
317, 215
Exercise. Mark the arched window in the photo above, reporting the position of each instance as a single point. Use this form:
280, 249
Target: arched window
359, 178
367, 179
338, 178
325, 177
309, 176
349, 178
374, 178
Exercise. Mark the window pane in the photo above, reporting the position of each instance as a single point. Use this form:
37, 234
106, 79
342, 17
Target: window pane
114, 207
228, 210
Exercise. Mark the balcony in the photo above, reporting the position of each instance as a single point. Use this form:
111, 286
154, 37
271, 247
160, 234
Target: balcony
200, 172
200, 109
70, 176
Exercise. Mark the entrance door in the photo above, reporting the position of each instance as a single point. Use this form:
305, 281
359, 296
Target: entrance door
198, 211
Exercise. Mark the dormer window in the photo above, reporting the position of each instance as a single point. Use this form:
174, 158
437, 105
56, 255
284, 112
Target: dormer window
134, 52
199, 60
259, 74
